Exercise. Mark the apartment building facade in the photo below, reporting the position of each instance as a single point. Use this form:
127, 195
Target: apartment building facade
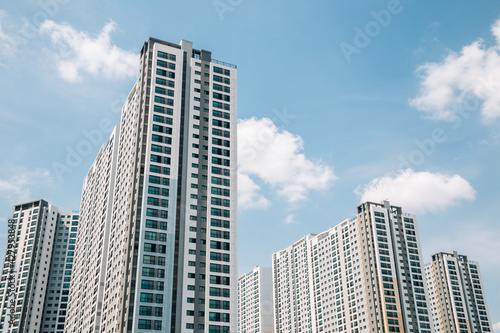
37, 270
167, 241
255, 301
363, 275
457, 297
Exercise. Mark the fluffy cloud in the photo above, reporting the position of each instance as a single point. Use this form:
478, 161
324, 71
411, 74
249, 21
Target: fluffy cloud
418, 192
78, 52
273, 156
290, 219
248, 193
17, 188
496, 327
7, 43
463, 81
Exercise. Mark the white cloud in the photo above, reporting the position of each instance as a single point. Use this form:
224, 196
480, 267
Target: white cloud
418, 192
290, 219
462, 82
16, 189
248, 193
7, 43
273, 156
78, 52
496, 327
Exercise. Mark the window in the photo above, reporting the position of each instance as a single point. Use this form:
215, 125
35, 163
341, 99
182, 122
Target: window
220, 151
146, 271
144, 324
221, 161
159, 311
215, 304
148, 260
152, 212
217, 268
150, 235
145, 310
147, 298
160, 90
220, 96
221, 114
219, 245
165, 64
215, 316
218, 329
151, 224
220, 212
147, 284
157, 202
166, 55
153, 190
161, 109
215, 279
164, 82
219, 132
148, 247
221, 123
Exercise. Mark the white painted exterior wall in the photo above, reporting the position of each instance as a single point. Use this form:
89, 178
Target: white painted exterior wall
457, 294
43, 264
255, 301
92, 245
170, 247
350, 278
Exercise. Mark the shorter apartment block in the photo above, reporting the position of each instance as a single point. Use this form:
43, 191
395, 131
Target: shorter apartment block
255, 301
457, 298
36, 274
363, 275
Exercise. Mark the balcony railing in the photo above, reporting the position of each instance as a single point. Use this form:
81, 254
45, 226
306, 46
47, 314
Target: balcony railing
224, 63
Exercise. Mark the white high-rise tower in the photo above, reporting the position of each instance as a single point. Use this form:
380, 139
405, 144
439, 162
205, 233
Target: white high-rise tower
37, 271
255, 301
363, 275
457, 297
157, 249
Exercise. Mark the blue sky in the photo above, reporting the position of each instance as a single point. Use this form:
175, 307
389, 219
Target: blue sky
360, 100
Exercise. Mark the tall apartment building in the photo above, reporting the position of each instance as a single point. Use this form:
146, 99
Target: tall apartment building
91, 260
457, 297
159, 217
37, 269
363, 275
255, 301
